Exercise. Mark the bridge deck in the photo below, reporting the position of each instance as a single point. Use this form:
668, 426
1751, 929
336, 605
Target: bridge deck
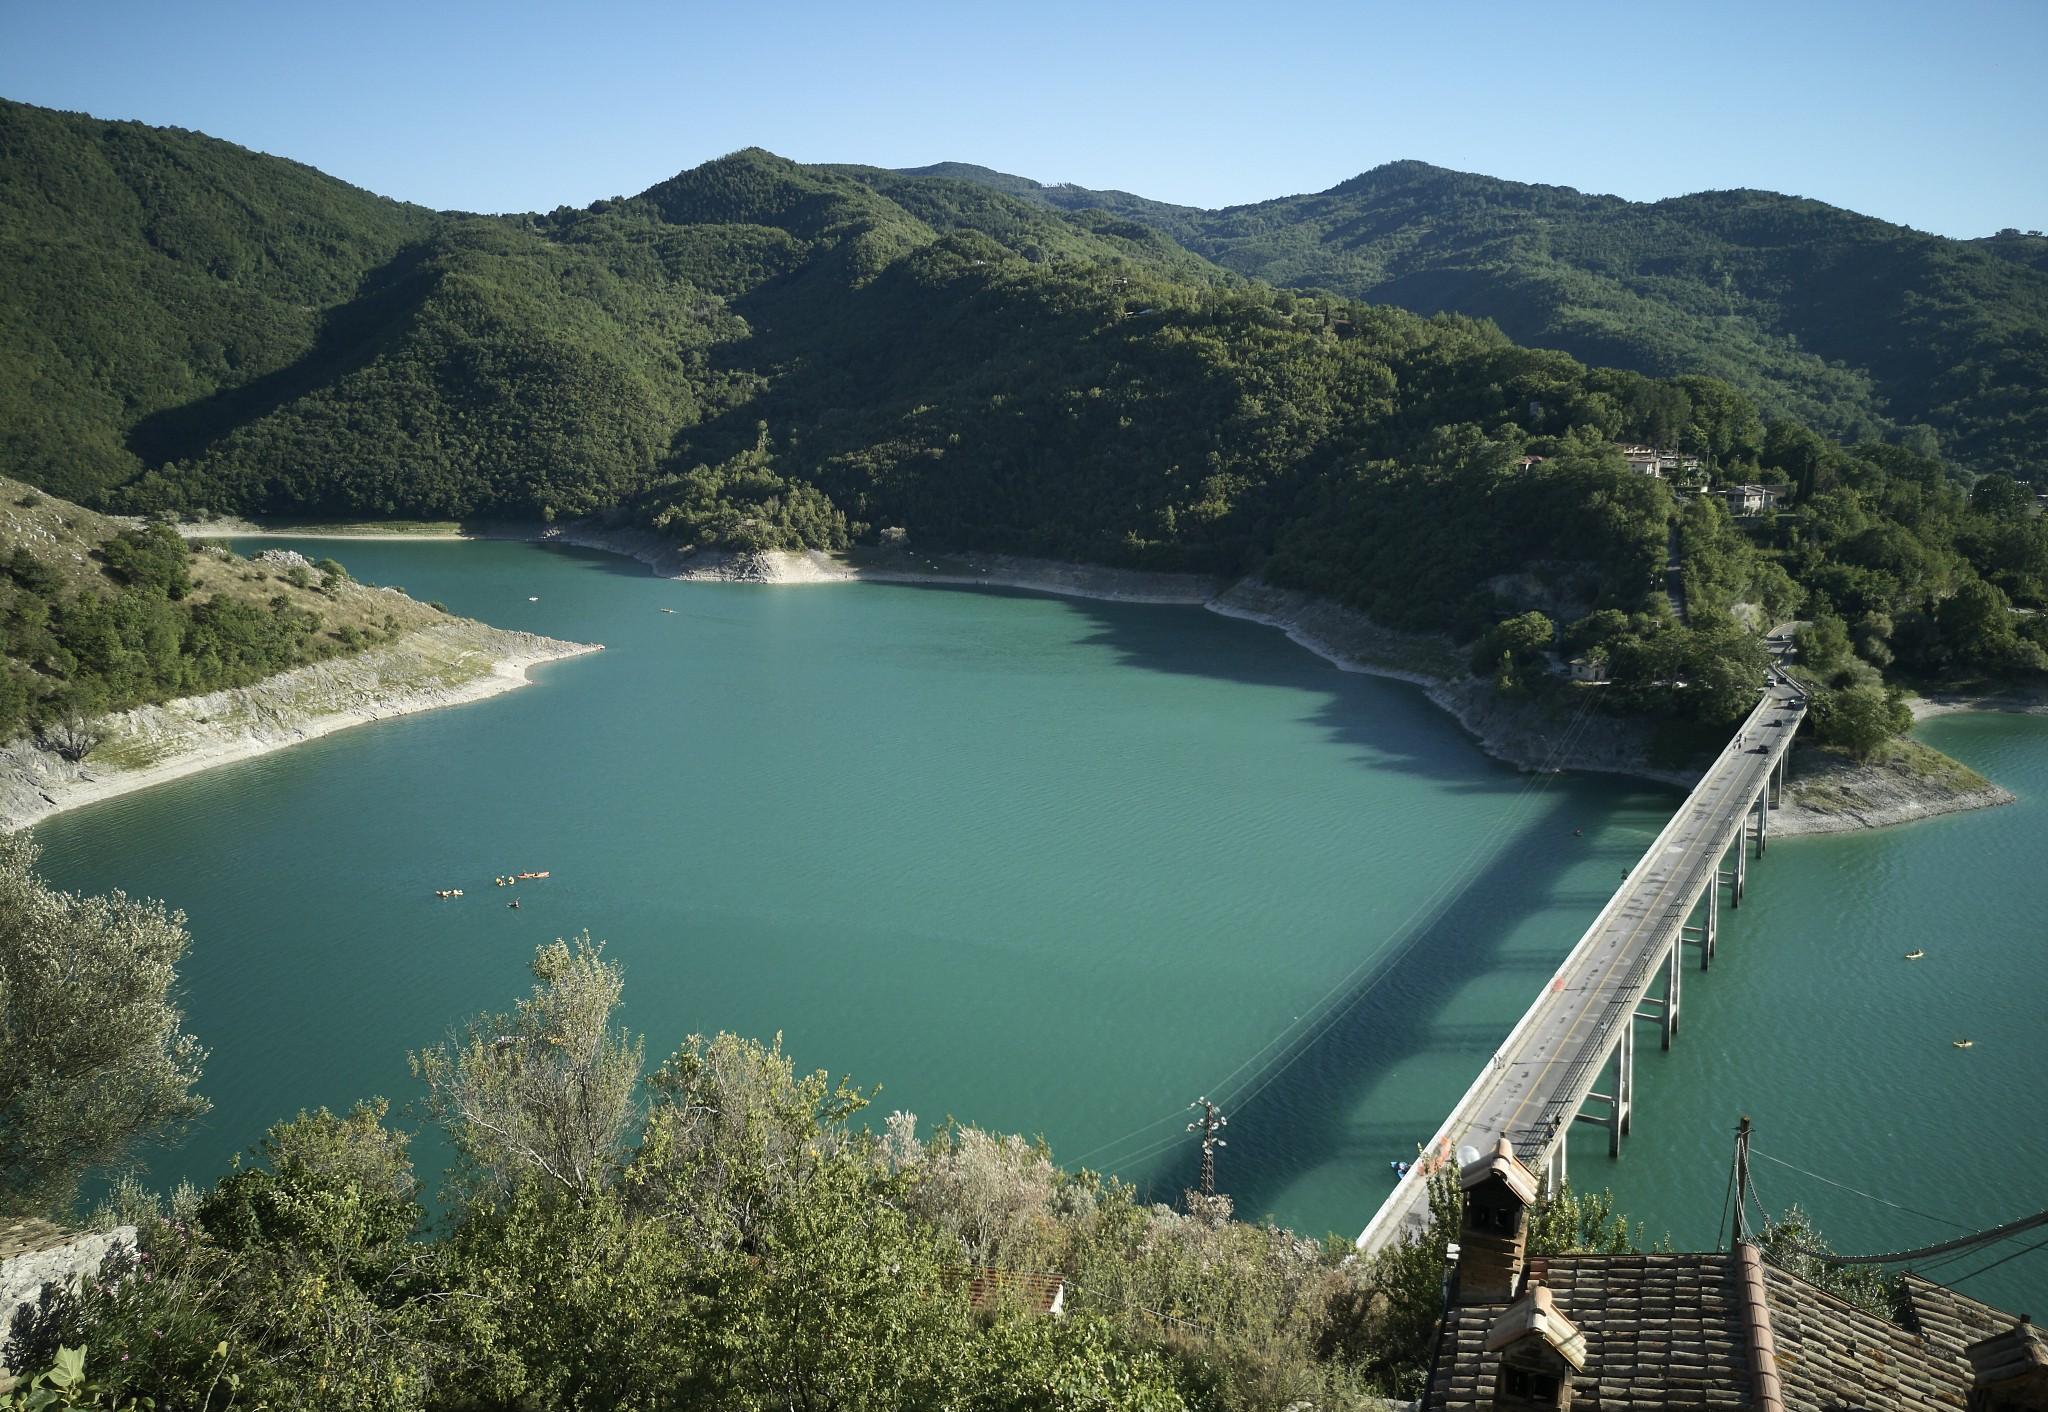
1541, 1076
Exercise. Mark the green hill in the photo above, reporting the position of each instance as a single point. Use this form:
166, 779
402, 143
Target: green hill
761, 354
97, 615
1850, 324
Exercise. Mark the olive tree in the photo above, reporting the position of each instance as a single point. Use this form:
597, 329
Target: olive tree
546, 1091
92, 1056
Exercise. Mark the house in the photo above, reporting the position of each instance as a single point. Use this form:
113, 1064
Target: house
1749, 499
990, 1288
1651, 461
1717, 1329
1590, 668
1523, 463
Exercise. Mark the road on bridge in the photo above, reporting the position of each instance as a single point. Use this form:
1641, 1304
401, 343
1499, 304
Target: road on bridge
1534, 1085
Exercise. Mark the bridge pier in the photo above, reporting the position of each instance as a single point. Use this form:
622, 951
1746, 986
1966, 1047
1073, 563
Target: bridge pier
1622, 1100
1737, 877
1616, 962
1555, 1172
1706, 932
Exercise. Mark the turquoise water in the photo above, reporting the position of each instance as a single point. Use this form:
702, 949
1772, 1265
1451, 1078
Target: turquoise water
1060, 867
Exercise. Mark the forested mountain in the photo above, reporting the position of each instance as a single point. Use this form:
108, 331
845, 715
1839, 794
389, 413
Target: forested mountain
1852, 325
759, 354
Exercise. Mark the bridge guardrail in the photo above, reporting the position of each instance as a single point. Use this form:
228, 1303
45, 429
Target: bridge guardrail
1413, 1184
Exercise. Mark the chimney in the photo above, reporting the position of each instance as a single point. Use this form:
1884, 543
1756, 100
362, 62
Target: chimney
1493, 1237
1540, 1349
2009, 1371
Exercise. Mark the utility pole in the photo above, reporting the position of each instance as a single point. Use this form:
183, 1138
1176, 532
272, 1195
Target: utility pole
1741, 1180
1208, 1125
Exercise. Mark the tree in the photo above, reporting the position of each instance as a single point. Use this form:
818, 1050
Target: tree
92, 1056
1569, 1223
1075, 1364
1824, 642
1794, 1244
1514, 645
153, 557
546, 1091
843, 1304
1860, 719
2001, 497
1977, 631
731, 1132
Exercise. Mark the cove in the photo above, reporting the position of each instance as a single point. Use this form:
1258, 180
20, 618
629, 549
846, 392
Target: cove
1059, 866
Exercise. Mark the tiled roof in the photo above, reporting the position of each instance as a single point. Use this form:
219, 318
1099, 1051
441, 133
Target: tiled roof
987, 1288
1502, 1163
1950, 1318
1831, 1353
1669, 1331
24, 1235
1659, 1329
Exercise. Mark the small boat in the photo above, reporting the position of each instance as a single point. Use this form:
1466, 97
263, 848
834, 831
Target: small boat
506, 882
1962, 1043
513, 904
1915, 954
668, 610
1400, 1169
541, 874
533, 600
447, 892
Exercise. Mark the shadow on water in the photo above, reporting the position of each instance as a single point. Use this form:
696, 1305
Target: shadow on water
1292, 1111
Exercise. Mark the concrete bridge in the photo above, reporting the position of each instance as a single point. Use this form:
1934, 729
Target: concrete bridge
1572, 1057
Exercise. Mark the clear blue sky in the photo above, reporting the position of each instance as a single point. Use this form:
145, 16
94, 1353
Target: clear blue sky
1927, 112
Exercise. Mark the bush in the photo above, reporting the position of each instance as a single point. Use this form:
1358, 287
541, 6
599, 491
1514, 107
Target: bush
1860, 719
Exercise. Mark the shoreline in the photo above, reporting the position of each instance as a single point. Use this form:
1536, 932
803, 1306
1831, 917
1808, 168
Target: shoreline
1521, 735
444, 664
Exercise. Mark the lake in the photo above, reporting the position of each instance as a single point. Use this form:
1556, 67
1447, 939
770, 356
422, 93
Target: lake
1061, 867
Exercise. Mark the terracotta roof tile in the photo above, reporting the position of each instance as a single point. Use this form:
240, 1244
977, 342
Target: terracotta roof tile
1668, 1330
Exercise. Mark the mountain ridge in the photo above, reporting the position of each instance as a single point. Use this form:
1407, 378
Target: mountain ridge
1859, 326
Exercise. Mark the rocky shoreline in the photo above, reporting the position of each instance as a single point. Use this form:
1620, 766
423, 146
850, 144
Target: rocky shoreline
1837, 795
444, 664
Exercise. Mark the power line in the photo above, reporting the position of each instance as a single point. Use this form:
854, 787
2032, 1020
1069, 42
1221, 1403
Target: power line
1977, 1238
1923, 1215
1302, 1033
1434, 908
1311, 1025
1982, 1269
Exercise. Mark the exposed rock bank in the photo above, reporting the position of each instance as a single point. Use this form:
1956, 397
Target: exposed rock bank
1529, 735
34, 1254
1829, 793
443, 664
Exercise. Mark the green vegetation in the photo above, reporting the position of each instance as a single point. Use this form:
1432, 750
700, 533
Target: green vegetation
761, 355
722, 1233
99, 617
1849, 324
92, 1058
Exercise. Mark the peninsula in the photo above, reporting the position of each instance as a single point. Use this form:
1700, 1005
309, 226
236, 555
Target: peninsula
135, 659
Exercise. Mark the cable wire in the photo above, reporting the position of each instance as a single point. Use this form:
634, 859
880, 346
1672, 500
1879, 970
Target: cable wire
1983, 1269
1923, 1215
1311, 1025
1420, 923
1308, 1027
